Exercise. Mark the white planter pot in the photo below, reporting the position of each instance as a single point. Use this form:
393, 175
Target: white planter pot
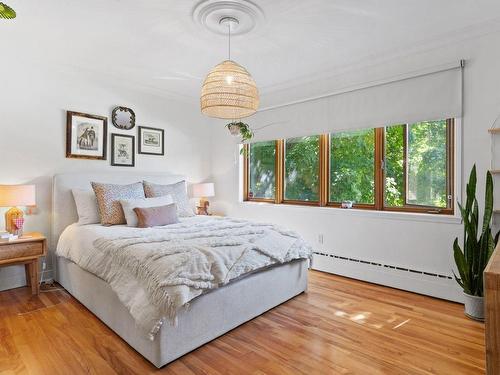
234, 130
474, 307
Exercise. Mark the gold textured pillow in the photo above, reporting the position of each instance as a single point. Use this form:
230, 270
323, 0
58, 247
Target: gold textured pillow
108, 200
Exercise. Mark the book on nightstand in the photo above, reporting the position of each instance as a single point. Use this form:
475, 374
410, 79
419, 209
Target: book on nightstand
6, 236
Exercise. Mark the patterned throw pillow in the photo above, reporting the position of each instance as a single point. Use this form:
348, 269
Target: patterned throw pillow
108, 200
178, 192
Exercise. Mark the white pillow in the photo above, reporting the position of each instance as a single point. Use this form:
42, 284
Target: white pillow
86, 206
128, 206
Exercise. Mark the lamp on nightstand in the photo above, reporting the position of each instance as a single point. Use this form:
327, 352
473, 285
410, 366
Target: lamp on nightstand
203, 191
12, 196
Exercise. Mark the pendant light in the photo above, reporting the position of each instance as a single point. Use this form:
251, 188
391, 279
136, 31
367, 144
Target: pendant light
229, 91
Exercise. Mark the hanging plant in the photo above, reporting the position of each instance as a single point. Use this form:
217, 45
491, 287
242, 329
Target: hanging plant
7, 12
240, 129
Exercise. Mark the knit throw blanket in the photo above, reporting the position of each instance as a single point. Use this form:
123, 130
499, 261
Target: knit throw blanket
176, 263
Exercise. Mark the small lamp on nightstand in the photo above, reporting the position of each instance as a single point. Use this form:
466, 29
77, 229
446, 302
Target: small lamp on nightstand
203, 191
12, 196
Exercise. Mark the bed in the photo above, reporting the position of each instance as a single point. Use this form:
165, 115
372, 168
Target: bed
208, 316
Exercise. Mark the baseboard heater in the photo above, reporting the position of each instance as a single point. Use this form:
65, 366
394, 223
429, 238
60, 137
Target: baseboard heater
387, 266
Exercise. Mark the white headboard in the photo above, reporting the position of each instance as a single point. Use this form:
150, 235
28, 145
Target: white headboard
63, 204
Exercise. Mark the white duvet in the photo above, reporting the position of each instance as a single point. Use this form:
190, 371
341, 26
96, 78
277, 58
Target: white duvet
157, 271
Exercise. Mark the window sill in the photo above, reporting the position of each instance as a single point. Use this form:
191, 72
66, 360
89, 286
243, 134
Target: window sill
389, 215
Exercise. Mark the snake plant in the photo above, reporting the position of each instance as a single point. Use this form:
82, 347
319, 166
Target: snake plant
478, 242
6, 11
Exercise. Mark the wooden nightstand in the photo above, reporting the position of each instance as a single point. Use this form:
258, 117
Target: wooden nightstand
26, 250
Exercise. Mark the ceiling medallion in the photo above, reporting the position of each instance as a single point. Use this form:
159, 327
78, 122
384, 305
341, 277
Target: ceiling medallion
208, 14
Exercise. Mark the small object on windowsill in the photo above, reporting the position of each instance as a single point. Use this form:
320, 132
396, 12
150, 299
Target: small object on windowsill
346, 204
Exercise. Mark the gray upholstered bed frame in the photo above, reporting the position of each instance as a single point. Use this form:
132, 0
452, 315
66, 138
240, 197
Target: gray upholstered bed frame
208, 317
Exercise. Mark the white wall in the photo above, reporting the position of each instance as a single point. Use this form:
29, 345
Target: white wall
404, 240
33, 104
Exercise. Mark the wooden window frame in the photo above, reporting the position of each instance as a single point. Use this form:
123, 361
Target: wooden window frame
379, 176
246, 177
450, 177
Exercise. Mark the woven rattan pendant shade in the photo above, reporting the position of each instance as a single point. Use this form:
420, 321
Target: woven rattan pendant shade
229, 92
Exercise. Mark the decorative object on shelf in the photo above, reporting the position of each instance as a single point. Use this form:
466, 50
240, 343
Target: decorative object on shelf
12, 196
151, 141
229, 91
123, 118
122, 150
7, 12
494, 146
203, 191
86, 136
477, 248
238, 128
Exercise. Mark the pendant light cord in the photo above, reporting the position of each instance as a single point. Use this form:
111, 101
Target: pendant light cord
229, 39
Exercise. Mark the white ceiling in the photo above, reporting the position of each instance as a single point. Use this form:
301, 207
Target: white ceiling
155, 44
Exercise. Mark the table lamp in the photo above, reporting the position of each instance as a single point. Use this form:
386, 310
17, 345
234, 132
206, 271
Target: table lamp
203, 191
12, 196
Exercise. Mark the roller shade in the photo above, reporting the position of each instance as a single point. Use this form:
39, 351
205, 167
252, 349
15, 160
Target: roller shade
427, 95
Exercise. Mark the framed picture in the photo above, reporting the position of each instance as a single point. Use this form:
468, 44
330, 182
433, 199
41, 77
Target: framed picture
122, 150
151, 141
86, 136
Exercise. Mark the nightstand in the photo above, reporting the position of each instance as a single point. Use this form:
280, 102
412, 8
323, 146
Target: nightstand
26, 250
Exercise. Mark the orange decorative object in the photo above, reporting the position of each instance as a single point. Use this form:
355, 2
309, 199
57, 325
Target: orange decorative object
12, 196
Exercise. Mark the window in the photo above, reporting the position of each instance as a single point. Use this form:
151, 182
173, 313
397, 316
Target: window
395, 141
302, 169
404, 167
262, 180
417, 159
352, 166
426, 160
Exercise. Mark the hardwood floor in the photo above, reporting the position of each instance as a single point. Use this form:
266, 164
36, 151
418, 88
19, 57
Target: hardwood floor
340, 326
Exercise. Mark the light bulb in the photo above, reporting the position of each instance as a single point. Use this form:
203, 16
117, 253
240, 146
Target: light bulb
229, 79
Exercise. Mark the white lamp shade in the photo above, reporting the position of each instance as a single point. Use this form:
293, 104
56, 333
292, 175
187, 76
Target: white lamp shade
204, 190
17, 195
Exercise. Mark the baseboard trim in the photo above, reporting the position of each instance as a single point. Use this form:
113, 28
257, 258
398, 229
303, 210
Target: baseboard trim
443, 288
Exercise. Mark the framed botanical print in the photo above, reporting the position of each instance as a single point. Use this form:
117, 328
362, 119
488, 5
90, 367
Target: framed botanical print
151, 141
86, 136
122, 150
